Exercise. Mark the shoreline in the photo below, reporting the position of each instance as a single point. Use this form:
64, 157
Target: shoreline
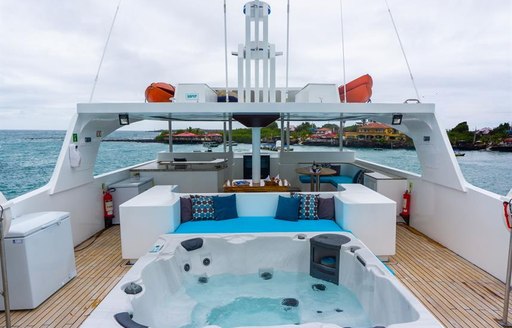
351, 144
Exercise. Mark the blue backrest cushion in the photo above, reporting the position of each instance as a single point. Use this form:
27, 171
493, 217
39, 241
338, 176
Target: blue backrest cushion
202, 208
326, 208
224, 207
287, 209
185, 209
308, 206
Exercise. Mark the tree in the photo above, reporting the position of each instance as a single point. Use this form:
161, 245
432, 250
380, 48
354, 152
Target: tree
460, 134
304, 130
332, 126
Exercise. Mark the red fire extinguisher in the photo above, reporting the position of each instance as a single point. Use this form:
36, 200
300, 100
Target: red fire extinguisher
406, 206
108, 207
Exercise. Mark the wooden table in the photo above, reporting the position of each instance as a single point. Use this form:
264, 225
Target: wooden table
230, 186
314, 176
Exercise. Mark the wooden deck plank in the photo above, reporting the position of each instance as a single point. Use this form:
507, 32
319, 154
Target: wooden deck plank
455, 291
458, 293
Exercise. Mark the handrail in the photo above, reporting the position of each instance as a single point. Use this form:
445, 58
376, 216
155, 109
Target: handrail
5, 285
504, 321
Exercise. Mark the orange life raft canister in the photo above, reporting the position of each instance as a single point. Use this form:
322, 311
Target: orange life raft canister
358, 91
159, 92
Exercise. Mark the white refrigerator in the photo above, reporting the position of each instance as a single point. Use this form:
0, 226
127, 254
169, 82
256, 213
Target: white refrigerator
40, 258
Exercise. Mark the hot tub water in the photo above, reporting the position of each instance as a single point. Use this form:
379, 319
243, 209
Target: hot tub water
229, 300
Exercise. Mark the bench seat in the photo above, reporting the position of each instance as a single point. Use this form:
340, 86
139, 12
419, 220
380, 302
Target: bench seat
332, 179
251, 224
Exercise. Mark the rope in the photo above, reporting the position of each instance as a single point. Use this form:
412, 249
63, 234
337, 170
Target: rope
104, 51
226, 53
287, 47
343, 52
403, 51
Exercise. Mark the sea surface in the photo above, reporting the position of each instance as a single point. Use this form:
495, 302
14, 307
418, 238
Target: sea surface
27, 159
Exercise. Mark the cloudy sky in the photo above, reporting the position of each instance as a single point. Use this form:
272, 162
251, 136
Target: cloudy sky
460, 52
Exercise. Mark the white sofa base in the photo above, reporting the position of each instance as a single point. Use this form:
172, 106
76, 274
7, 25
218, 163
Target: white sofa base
358, 209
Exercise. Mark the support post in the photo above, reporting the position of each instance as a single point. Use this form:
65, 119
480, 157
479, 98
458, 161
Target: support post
288, 133
340, 134
230, 134
170, 135
282, 134
256, 156
224, 139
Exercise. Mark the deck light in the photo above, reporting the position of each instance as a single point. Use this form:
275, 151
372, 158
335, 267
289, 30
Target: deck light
124, 119
397, 119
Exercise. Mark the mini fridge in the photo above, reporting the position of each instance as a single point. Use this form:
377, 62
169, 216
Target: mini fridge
40, 258
126, 190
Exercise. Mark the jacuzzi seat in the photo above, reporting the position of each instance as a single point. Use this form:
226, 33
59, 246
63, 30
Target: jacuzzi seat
162, 273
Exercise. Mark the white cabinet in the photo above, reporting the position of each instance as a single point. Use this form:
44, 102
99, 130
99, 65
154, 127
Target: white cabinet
389, 186
147, 216
127, 189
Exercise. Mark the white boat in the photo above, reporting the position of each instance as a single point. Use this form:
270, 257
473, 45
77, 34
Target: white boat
444, 207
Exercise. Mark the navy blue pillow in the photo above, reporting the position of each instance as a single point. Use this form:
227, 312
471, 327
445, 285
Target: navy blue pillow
326, 208
186, 209
225, 207
287, 209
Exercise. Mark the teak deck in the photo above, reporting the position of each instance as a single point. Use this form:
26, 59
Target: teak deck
455, 291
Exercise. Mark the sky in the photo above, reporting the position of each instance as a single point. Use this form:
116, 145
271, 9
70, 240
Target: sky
459, 51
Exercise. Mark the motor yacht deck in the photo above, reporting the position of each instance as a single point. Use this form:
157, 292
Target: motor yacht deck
452, 256
458, 293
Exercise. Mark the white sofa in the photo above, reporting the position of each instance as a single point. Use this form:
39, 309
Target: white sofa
362, 211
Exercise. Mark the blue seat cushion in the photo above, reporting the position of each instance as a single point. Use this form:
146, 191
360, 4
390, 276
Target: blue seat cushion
332, 179
335, 180
257, 224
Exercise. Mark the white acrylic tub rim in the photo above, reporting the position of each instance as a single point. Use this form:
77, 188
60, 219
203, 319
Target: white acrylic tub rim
168, 246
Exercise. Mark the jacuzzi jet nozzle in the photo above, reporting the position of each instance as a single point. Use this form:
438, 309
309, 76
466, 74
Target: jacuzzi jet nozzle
202, 280
293, 302
266, 275
320, 287
133, 289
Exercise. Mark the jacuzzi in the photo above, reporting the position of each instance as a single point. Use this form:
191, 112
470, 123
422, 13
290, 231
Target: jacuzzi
259, 280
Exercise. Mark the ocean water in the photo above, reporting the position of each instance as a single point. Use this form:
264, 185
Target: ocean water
27, 159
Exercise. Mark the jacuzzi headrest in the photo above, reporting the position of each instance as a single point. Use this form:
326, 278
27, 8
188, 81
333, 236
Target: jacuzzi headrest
192, 244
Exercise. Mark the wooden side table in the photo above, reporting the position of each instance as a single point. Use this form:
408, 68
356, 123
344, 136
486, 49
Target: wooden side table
232, 186
314, 176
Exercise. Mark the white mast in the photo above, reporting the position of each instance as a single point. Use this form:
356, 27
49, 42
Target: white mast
261, 87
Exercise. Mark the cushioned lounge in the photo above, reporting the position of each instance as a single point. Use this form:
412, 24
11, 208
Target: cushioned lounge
332, 179
257, 224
